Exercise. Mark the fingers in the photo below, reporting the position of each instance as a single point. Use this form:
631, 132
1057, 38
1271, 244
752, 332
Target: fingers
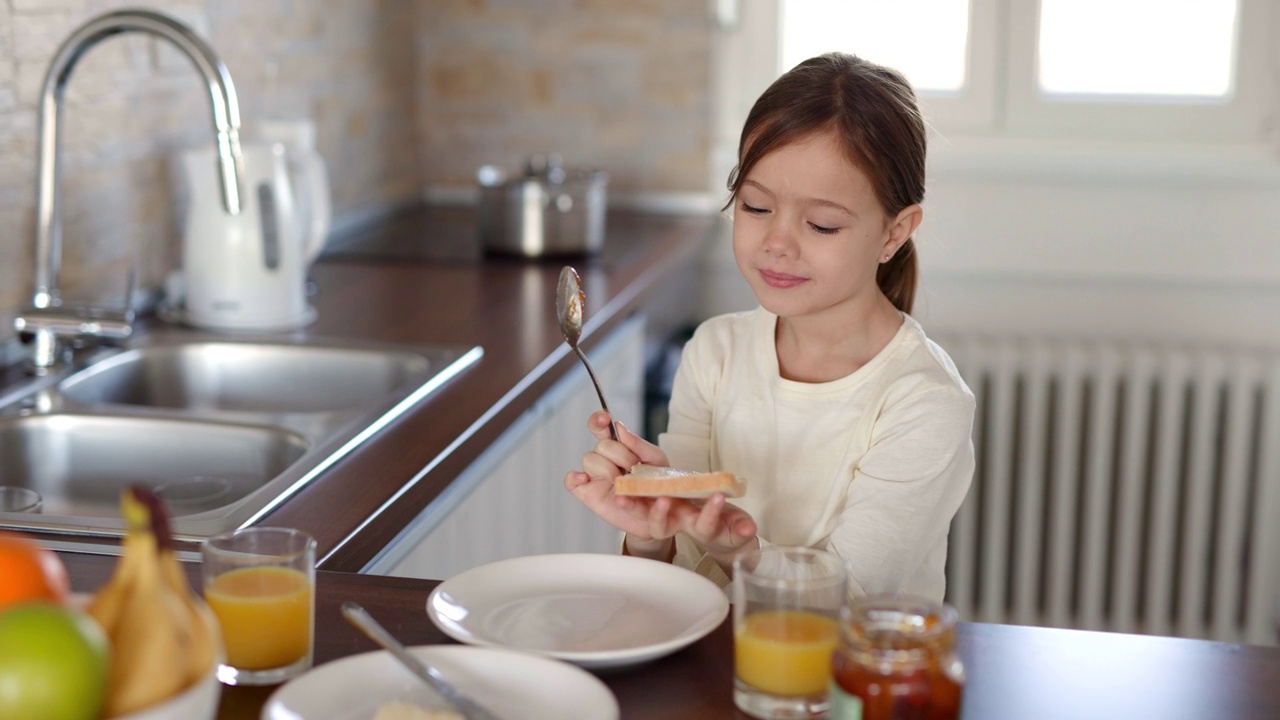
574, 480
599, 466
707, 523
663, 522
645, 451
628, 449
744, 527
598, 424
721, 525
582, 487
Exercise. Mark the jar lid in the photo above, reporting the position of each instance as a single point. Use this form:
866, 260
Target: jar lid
890, 620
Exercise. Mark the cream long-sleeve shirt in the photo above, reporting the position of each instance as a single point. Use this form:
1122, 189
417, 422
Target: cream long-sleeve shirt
871, 466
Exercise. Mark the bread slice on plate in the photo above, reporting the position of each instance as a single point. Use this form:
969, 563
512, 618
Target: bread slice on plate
654, 481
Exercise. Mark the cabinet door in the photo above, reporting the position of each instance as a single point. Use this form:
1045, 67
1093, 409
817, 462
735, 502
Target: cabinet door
511, 501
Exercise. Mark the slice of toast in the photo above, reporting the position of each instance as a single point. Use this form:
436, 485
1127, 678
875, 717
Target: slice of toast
654, 481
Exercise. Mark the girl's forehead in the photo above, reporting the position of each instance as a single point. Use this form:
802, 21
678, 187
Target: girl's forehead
820, 145
819, 158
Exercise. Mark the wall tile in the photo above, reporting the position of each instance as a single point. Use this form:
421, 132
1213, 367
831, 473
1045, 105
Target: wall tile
600, 81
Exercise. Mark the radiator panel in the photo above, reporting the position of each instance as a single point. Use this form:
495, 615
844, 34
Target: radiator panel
1121, 487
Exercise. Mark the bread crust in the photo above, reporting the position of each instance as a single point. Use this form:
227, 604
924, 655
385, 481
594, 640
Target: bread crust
654, 481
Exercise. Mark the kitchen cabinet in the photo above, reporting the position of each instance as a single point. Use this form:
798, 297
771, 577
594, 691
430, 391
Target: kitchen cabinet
511, 500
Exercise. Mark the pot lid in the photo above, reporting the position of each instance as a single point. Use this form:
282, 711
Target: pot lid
539, 168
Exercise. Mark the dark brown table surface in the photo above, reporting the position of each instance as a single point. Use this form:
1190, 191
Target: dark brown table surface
1014, 672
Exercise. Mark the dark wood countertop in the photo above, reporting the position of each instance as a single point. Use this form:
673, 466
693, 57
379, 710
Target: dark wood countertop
422, 278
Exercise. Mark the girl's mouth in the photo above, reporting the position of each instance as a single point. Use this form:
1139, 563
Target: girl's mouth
781, 281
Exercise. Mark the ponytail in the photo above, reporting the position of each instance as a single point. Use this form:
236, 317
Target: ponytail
897, 278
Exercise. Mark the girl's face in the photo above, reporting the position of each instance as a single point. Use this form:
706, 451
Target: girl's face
809, 233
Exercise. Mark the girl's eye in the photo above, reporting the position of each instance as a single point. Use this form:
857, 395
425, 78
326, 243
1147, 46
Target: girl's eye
824, 230
753, 210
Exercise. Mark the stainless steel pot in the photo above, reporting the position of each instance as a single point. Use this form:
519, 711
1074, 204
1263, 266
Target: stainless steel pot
550, 210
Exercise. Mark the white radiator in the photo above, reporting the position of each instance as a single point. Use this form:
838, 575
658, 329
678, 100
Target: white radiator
1120, 487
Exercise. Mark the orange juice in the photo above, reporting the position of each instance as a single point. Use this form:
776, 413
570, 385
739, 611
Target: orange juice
785, 652
265, 614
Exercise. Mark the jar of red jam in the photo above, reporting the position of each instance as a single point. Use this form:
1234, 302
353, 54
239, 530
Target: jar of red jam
896, 661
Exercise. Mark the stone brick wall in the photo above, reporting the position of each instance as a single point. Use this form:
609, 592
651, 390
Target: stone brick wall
406, 94
620, 84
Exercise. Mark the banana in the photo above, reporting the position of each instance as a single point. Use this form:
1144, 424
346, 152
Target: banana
107, 604
150, 642
161, 642
203, 651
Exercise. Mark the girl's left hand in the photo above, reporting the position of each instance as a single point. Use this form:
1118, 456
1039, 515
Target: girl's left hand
722, 528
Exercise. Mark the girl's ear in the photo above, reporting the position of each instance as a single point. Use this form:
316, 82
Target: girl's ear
901, 228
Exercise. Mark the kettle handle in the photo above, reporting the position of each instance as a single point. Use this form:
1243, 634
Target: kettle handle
315, 176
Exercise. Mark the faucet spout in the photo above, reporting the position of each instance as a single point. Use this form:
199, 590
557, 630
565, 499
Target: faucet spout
47, 323
226, 126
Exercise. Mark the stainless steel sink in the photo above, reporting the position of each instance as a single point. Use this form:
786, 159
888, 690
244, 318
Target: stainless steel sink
80, 463
223, 429
248, 377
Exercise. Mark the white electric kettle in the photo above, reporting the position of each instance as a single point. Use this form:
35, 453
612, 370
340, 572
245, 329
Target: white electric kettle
247, 272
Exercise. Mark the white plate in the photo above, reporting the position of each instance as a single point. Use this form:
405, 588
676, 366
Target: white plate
511, 684
593, 610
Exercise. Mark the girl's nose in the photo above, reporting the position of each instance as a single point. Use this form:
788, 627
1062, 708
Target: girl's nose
778, 242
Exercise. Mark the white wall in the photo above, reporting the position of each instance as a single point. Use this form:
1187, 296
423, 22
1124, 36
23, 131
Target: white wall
1166, 245
1059, 240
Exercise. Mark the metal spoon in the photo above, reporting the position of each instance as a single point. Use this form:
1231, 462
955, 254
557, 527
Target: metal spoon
365, 623
570, 301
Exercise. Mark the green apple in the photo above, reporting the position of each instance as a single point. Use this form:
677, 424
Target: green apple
53, 663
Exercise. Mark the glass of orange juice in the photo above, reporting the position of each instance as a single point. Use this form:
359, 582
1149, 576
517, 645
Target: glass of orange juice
260, 583
786, 606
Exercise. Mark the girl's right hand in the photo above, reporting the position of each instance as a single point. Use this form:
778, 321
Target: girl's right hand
593, 485
651, 523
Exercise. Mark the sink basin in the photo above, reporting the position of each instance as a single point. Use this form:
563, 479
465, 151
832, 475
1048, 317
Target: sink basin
248, 377
80, 463
224, 429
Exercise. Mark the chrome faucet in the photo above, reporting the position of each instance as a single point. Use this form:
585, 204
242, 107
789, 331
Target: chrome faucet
47, 323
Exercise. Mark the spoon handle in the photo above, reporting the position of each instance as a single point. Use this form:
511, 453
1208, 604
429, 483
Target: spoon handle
613, 429
364, 622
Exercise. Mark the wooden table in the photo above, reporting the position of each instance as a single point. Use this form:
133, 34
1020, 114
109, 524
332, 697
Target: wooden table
1014, 672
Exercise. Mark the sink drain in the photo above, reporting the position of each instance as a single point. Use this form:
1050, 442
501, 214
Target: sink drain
192, 494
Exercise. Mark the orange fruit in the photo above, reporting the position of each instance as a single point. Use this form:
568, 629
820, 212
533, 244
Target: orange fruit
30, 571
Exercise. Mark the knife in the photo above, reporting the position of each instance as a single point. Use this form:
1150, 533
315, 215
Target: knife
364, 622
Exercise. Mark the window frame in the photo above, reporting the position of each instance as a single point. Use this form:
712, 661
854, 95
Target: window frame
1241, 119
1001, 99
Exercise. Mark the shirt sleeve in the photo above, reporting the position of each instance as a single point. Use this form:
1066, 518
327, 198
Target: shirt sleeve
904, 493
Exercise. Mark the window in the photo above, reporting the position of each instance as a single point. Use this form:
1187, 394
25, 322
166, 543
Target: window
1130, 50
931, 54
1195, 71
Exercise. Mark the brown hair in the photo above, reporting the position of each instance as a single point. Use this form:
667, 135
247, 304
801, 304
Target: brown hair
874, 113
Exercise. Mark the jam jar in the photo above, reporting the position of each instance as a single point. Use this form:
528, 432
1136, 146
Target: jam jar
896, 661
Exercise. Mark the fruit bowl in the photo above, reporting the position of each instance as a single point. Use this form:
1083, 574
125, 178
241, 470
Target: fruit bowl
200, 700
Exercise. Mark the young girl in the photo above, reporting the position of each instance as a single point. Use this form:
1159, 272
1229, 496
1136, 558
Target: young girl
852, 429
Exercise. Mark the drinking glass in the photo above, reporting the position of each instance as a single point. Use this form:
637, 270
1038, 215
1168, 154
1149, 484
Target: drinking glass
786, 608
260, 583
